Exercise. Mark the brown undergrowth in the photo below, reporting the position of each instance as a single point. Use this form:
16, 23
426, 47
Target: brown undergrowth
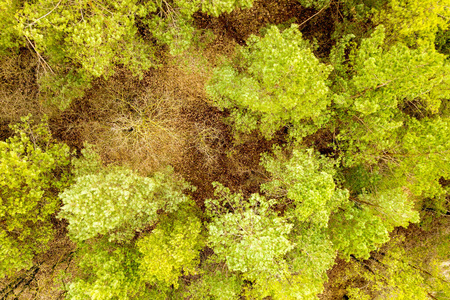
19, 90
238, 25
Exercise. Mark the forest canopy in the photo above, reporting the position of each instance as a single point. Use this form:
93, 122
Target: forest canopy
233, 149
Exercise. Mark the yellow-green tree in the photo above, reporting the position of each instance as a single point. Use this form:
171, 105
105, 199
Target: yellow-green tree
33, 168
276, 82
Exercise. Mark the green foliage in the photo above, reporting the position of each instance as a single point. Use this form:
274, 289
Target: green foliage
303, 184
371, 87
278, 82
217, 282
107, 272
356, 231
399, 271
306, 180
247, 235
93, 35
309, 261
171, 249
61, 88
314, 253
357, 294
116, 201
32, 170
426, 148
392, 206
8, 32
292, 287
318, 4
415, 21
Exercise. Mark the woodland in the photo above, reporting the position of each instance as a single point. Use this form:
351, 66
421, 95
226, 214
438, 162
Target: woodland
225, 149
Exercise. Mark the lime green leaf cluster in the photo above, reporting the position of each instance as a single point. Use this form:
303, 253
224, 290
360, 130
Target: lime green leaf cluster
314, 253
382, 80
291, 287
171, 249
277, 82
303, 183
415, 21
309, 261
393, 206
306, 180
399, 272
93, 35
32, 169
107, 273
246, 234
116, 201
426, 156
8, 32
356, 231
216, 283
318, 4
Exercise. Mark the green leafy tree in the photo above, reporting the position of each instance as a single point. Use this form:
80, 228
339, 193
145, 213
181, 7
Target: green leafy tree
33, 167
399, 271
355, 231
216, 282
313, 255
116, 201
277, 82
107, 272
304, 182
8, 32
424, 157
371, 87
250, 237
415, 21
171, 249
93, 35
393, 206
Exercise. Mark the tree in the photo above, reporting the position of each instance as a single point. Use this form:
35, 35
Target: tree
402, 270
8, 32
282, 261
356, 232
115, 201
304, 183
216, 282
277, 82
171, 249
247, 234
424, 157
414, 21
371, 88
33, 168
107, 272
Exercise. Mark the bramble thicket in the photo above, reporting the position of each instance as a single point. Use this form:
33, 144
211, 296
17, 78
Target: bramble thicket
235, 149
